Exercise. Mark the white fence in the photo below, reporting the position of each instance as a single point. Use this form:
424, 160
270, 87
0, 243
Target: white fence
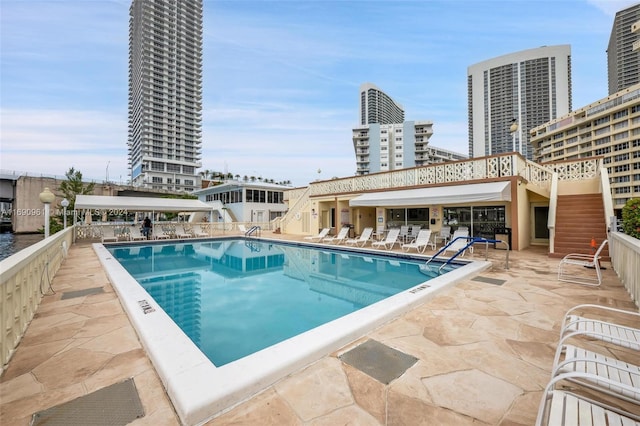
625, 259
24, 278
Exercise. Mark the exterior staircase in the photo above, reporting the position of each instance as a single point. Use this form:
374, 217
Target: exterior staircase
579, 218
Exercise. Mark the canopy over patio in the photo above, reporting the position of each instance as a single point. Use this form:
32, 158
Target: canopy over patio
133, 204
454, 194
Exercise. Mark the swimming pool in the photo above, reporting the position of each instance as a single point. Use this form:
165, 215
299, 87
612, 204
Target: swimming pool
177, 278
236, 297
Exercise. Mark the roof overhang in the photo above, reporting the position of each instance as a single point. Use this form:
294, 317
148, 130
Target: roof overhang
455, 194
98, 202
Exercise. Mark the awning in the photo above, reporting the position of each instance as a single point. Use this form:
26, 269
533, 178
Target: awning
144, 204
455, 194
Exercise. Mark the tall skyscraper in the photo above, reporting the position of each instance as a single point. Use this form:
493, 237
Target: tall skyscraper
526, 88
378, 107
622, 60
165, 94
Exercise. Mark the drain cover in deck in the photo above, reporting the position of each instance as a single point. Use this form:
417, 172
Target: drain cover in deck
115, 405
379, 361
80, 293
489, 280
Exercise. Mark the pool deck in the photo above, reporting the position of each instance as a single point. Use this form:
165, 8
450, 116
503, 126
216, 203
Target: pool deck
484, 351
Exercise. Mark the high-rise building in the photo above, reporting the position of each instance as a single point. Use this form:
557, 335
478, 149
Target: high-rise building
384, 147
165, 94
511, 94
378, 107
607, 128
622, 60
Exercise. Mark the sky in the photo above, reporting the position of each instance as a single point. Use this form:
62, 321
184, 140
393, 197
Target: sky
280, 77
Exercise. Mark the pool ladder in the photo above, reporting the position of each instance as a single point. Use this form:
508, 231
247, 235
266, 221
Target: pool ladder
472, 240
253, 230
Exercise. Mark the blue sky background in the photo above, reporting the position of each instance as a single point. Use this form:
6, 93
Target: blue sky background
280, 78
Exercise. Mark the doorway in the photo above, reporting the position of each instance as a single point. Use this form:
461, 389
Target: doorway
539, 229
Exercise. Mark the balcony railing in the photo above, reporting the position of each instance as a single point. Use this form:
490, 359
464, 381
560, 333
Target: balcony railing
499, 166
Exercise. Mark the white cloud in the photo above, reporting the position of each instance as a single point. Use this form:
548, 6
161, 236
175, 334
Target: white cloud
611, 7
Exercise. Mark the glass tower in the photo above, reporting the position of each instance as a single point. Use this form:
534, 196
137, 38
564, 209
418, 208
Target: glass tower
165, 94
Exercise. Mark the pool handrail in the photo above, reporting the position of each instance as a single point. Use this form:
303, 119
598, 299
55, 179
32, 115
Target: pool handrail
255, 229
472, 240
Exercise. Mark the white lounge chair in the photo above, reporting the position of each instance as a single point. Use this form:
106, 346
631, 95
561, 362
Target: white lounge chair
574, 262
457, 245
323, 233
560, 407
598, 372
242, 228
390, 240
421, 242
342, 235
136, 234
201, 231
362, 240
583, 324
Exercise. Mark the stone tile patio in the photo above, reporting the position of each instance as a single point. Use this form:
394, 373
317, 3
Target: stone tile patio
484, 354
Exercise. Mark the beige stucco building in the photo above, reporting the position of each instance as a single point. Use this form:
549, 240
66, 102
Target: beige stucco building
608, 128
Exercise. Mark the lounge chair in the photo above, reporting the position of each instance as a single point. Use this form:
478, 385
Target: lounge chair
457, 245
342, 235
390, 240
583, 324
598, 372
560, 407
568, 268
362, 240
323, 233
108, 238
242, 229
421, 242
136, 234
201, 231
182, 232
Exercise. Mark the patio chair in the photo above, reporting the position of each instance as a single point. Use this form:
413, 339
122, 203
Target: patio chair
199, 232
182, 232
458, 245
583, 324
390, 240
362, 240
421, 242
136, 234
444, 235
342, 235
597, 371
405, 233
568, 268
323, 233
561, 407
108, 238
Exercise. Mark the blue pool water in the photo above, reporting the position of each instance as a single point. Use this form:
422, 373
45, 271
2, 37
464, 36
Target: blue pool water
236, 297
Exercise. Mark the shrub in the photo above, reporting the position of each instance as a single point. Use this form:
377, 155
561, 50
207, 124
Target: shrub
631, 218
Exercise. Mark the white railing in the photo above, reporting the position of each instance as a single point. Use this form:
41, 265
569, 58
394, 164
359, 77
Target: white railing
553, 207
625, 259
607, 200
497, 166
24, 278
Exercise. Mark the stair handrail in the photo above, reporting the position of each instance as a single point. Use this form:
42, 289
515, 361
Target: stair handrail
553, 207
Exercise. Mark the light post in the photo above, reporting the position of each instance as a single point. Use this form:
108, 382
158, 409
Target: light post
46, 197
514, 130
64, 203
107, 172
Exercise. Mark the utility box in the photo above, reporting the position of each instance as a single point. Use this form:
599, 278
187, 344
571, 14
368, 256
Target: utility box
502, 234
